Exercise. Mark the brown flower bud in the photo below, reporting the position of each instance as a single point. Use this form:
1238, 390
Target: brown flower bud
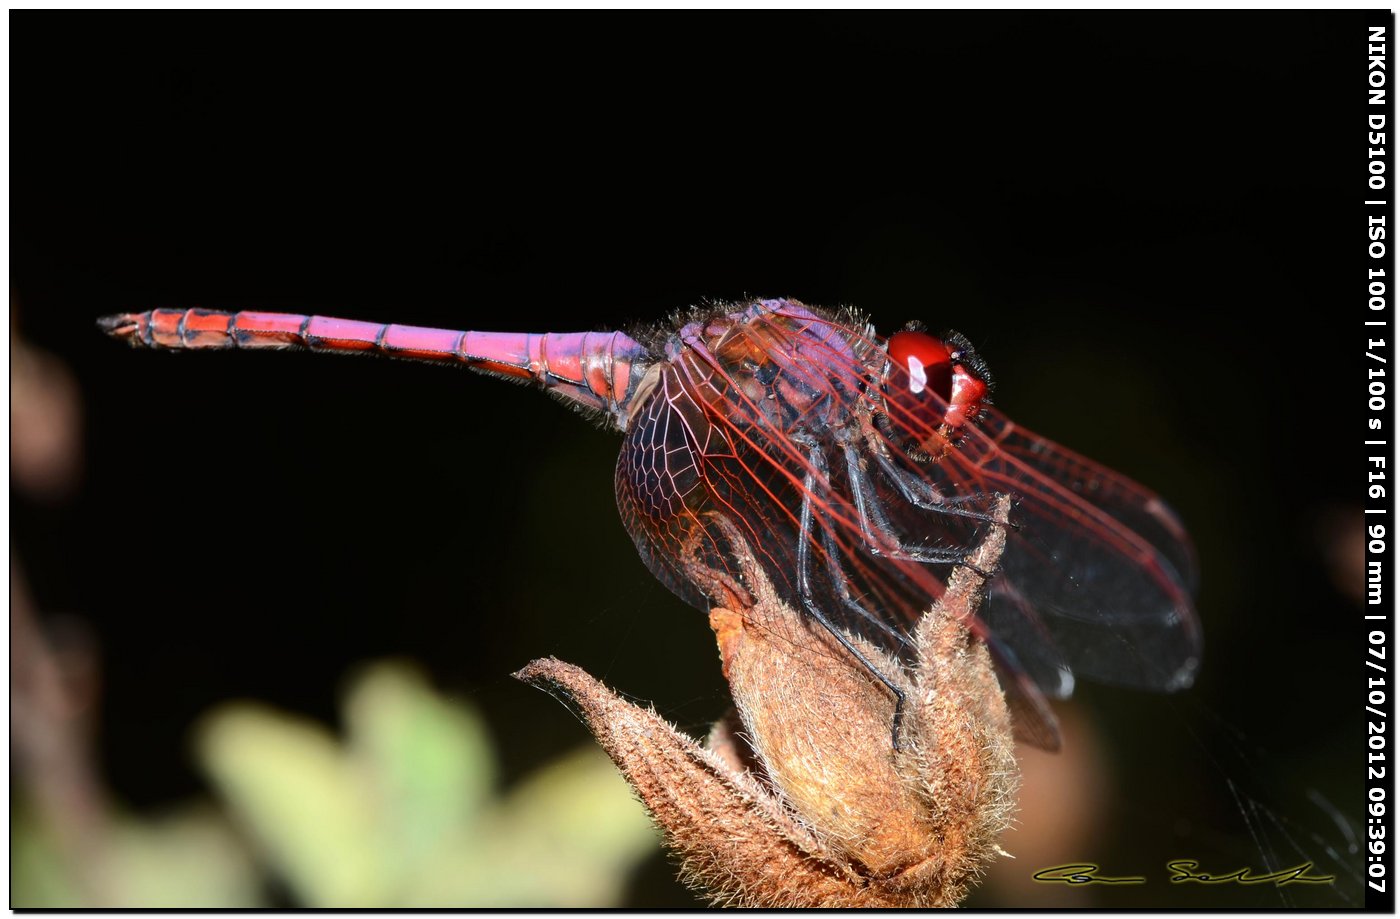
807, 802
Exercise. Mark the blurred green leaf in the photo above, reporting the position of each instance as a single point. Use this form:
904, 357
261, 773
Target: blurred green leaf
189, 860
583, 827
428, 763
405, 812
568, 836
288, 781
39, 875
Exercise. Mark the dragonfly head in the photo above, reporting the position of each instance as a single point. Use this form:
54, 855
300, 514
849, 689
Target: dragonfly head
934, 387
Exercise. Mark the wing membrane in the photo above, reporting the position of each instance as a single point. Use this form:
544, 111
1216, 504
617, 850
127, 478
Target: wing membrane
1096, 578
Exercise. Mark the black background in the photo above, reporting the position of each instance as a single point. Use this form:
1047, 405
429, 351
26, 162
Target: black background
1145, 222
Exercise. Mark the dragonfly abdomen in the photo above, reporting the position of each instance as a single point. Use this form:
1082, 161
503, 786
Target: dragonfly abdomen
597, 370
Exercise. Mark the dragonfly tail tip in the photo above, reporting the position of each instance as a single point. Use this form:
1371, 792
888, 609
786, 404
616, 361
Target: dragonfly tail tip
121, 325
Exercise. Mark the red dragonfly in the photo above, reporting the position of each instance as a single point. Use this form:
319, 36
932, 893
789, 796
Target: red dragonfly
857, 470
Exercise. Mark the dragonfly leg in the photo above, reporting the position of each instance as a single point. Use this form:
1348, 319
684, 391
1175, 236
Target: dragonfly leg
804, 590
921, 493
879, 535
817, 462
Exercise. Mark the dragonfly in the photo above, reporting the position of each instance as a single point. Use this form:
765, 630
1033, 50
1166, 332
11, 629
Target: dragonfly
857, 470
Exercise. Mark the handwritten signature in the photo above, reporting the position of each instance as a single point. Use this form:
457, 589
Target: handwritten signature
1183, 871
1080, 874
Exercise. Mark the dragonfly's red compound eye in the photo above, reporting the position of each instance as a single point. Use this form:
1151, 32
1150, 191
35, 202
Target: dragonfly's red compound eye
924, 365
927, 363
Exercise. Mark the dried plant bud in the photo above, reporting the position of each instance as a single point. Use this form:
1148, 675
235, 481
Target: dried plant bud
809, 803
719, 821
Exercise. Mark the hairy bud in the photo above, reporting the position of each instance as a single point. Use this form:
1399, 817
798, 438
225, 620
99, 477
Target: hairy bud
804, 800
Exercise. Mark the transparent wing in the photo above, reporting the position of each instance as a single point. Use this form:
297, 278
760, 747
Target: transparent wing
1096, 579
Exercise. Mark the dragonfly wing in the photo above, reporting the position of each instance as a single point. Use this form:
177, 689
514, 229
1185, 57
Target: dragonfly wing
1094, 579
1132, 505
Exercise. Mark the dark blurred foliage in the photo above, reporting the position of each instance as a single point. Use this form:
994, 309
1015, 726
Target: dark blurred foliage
1145, 222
